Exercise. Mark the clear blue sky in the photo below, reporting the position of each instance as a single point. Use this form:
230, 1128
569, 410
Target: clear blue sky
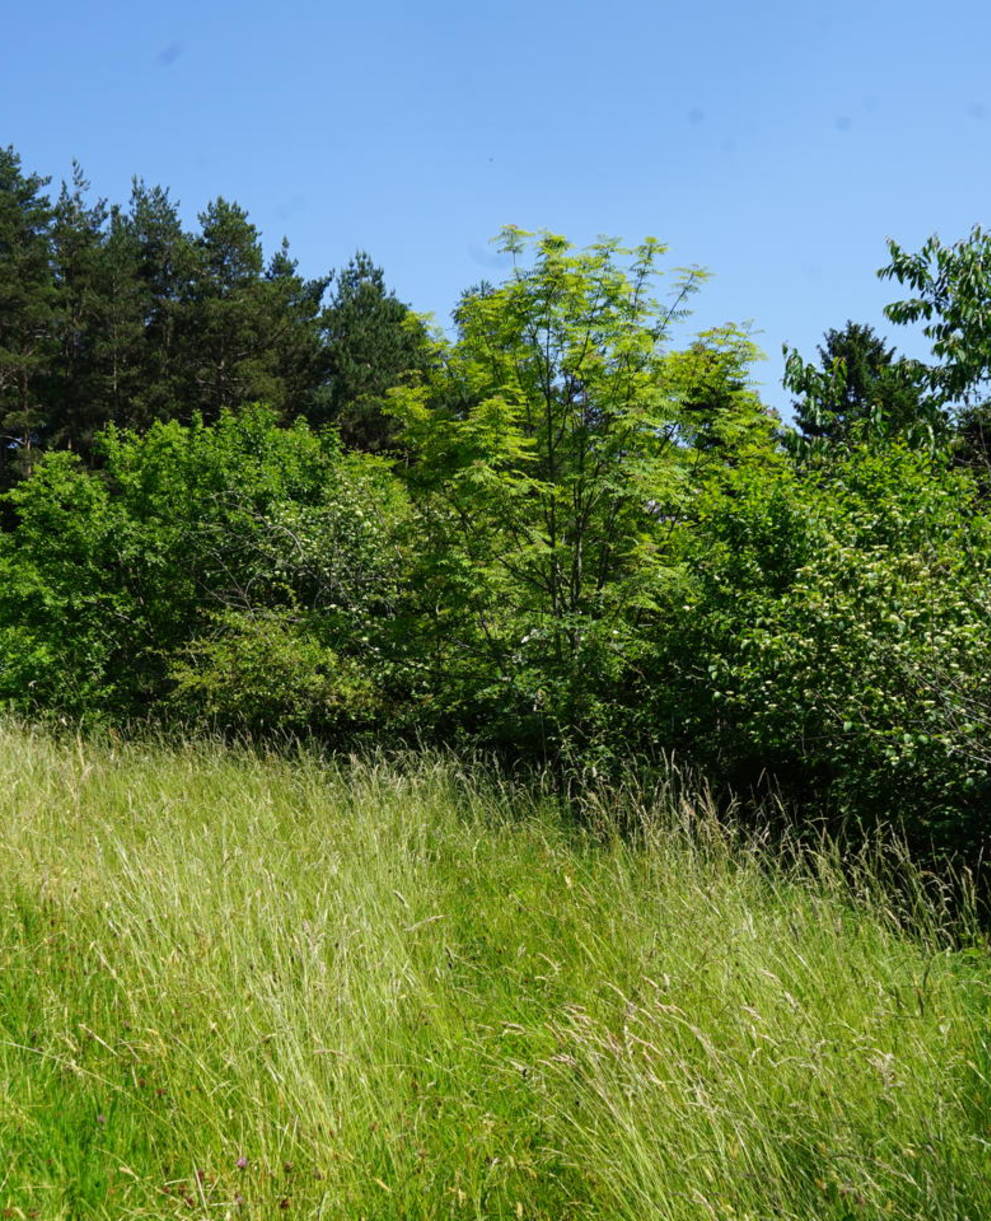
776, 143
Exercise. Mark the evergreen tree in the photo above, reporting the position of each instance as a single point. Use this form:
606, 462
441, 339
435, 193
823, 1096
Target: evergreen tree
223, 339
78, 392
28, 345
155, 261
298, 354
859, 383
124, 357
373, 341
250, 332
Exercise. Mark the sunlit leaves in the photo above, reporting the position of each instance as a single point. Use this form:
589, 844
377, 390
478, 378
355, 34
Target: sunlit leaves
558, 445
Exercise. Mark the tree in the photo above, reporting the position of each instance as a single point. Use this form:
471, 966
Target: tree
721, 416
78, 394
248, 332
295, 333
860, 387
952, 286
222, 328
28, 344
153, 267
372, 341
550, 467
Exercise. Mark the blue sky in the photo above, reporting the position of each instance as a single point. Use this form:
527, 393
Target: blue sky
777, 144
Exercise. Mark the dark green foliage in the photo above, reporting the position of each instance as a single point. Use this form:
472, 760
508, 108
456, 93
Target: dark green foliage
77, 392
297, 357
112, 315
372, 343
859, 390
246, 332
155, 263
27, 312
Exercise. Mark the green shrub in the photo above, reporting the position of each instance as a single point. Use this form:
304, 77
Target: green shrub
263, 672
842, 637
191, 545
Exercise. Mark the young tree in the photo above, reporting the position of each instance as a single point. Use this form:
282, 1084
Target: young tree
721, 416
551, 467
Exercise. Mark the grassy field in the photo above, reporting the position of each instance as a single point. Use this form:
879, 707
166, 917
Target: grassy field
244, 987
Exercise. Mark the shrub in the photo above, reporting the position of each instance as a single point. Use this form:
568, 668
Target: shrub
193, 558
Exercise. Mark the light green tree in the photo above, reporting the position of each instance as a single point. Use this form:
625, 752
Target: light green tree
553, 459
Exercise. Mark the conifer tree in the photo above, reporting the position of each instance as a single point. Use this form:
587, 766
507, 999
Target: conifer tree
372, 342
78, 394
28, 345
250, 332
156, 251
860, 383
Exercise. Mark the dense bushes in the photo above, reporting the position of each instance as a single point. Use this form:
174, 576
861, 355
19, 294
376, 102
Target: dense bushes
584, 545
842, 621
826, 626
230, 572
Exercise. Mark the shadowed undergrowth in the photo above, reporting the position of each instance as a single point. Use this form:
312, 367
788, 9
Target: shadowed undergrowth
234, 986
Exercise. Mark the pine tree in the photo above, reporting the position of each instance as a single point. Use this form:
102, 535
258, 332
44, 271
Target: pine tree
28, 344
79, 391
294, 333
250, 332
159, 255
373, 342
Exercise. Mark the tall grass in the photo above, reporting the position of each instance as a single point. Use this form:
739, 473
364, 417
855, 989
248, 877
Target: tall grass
234, 986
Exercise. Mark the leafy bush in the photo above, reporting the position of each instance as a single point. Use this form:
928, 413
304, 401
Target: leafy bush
122, 585
841, 636
266, 671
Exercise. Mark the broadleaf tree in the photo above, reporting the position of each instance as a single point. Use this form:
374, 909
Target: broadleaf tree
549, 465
951, 302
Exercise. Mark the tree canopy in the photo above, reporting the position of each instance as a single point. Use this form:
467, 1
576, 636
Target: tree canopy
570, 530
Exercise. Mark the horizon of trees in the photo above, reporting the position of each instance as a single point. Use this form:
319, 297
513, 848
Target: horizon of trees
115, 314
239, 499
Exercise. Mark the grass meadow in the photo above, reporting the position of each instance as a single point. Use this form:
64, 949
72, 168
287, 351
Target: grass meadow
243, 986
